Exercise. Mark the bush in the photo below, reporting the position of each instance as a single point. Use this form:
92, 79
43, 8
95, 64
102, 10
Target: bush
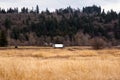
98, 43
16, 46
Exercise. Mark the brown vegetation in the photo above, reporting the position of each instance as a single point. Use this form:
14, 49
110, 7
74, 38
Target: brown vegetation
99, 43
71, 63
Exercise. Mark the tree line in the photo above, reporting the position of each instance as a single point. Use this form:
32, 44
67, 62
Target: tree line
69, 26
16, 10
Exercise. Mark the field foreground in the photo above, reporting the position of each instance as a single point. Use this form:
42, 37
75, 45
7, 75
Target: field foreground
71, 63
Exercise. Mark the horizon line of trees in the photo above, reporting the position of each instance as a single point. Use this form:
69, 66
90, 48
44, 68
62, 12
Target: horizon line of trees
16, 10
88, 9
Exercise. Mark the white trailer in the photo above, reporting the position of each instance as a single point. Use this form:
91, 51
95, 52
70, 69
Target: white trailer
58, 45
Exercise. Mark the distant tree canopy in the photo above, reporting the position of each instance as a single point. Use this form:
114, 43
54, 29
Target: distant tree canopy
92, 9
69, 26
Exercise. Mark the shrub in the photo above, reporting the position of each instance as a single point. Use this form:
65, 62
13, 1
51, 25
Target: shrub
16, 46
98, 43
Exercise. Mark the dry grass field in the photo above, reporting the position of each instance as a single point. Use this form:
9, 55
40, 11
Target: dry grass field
71, 63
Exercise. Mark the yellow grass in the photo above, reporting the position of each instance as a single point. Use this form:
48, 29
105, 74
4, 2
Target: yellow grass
72, 63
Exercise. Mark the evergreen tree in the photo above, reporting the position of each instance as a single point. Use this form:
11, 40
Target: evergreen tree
3, 39
37, 9
15, 33
117, 28
24, 10
7, 23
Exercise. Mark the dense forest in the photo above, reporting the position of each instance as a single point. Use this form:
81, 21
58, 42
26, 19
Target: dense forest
72, 27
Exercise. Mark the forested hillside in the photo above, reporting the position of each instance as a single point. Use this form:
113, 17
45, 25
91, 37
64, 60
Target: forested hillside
69, 26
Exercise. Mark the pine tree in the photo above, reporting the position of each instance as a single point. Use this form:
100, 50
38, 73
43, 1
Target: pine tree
7, 23
3, 39
37, 9
117, 28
